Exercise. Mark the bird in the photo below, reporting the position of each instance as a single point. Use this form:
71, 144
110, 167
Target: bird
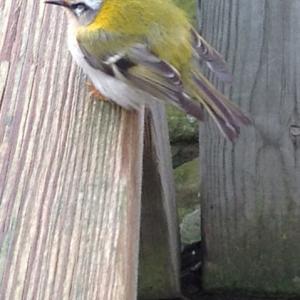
138, 52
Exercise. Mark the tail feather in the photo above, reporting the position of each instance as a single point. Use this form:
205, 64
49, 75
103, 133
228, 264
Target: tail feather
191, 107
226, 129
225, 114
211, 57
216, 102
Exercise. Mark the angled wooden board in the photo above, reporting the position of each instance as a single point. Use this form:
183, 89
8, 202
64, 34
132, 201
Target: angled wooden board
159, 268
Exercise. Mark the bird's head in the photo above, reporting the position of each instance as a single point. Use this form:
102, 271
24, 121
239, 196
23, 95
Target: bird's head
83, 10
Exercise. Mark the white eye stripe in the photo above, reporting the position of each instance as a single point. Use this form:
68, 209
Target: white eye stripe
85, 10
94, 4
79, 10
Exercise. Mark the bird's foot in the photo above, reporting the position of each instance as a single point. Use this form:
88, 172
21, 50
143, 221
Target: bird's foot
94, 93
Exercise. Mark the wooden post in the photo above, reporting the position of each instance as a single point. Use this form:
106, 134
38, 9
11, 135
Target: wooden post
70, 170
159, 272
70, 177
251, 190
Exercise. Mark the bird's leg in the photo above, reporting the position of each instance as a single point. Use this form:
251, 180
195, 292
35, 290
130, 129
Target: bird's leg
94, 93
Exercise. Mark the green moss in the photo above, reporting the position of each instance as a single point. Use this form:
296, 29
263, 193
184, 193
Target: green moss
181, 127
154, 280
183, 131
190, 228
189, 6
187, 182
265, 260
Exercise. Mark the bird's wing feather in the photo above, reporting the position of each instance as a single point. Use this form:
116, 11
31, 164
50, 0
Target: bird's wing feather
213, 59
137, 65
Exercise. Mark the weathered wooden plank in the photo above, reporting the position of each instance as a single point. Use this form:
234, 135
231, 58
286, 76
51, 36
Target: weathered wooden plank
159, 270
70, 170
250, 190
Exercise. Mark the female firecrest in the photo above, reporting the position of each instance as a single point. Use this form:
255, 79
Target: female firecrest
139, 51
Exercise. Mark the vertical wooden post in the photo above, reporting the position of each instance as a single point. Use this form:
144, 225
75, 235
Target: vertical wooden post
70, 170
159, 271
250, 190
71, 174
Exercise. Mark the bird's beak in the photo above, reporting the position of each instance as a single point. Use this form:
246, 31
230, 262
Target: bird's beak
58, 2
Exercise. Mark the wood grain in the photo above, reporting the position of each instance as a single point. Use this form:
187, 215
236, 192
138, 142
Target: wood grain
250, 190
70, 170
159, 268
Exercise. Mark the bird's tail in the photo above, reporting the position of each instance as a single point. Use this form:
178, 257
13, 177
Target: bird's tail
226, 115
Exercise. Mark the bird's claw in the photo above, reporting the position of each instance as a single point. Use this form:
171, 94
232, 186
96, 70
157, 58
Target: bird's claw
94, 93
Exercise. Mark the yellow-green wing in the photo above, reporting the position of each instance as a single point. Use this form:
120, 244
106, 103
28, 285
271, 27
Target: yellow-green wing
130, 60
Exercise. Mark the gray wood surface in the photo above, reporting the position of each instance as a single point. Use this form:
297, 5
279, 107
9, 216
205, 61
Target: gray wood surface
159, 270
71, 175
251, 190
70, 170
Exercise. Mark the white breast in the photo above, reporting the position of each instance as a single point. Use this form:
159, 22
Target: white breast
114, 89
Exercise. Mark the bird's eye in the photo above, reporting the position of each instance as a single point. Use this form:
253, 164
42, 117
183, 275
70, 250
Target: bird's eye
79, 8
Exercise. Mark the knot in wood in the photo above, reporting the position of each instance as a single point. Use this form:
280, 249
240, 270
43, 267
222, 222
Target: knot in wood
295, 130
